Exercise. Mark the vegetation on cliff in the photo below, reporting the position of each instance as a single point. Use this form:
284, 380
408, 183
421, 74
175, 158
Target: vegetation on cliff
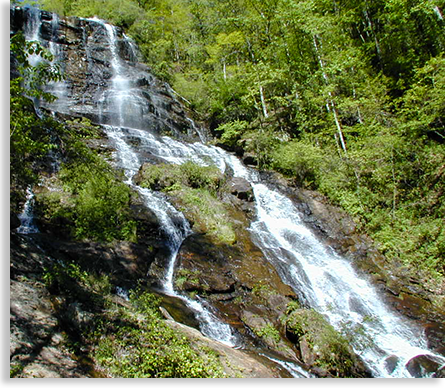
30, 135
194, 190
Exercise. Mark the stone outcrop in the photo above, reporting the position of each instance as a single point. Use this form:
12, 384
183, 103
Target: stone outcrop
36, 342
88, 72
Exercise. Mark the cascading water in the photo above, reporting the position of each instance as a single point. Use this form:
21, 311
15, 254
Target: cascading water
322, 279
26, 217
331, 286
173, 223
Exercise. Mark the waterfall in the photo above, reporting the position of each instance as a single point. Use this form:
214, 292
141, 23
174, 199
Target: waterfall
322, 279
33, 33
172, 222
331, 285
26, 217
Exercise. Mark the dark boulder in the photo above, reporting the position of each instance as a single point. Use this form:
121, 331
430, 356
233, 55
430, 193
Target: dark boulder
423, 365
241, 188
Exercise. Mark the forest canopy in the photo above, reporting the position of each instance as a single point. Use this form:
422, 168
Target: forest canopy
345, 97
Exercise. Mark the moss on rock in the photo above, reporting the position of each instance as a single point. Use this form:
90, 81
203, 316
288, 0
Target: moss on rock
321, 346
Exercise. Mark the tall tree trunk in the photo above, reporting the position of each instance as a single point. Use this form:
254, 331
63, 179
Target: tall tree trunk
330, 102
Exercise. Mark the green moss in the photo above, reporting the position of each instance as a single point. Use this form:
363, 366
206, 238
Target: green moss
167, 177
268, 333
333, 353
193, 188
207, 213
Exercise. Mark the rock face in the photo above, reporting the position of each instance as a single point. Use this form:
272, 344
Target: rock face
36, 348
80, 47
241, 188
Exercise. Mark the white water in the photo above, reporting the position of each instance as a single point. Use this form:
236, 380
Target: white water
32, 28
173, 222
331, 285
26, 217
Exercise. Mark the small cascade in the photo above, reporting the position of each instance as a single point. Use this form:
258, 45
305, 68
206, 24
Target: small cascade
33, 28
27, 217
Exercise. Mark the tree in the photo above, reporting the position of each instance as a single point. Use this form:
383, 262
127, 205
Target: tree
30, 134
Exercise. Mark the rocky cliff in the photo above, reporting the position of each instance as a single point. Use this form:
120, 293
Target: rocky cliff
81, 48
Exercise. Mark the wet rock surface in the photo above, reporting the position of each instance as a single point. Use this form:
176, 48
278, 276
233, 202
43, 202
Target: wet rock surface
86, 62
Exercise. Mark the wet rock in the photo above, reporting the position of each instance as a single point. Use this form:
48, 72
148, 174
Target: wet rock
14, 221
250, 160
440, 374
391, 363
206, 266
423, 365
241, 188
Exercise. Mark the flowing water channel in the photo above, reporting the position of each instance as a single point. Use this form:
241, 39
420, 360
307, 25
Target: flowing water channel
321, 278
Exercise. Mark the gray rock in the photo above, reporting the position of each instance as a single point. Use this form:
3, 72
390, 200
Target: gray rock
241, 188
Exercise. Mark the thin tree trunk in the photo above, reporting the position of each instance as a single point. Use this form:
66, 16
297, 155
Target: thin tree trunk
263, 103
330, 102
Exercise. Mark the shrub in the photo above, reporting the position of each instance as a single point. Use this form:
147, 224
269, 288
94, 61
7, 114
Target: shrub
231, 132
333, 352
94, 204
140, 344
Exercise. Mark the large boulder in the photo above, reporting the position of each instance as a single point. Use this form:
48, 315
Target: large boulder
321, 347
424, 365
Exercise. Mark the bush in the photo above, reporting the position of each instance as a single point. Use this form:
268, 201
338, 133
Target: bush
140, 344
300, 160
94, 203
101, 210
231, 132
167, 177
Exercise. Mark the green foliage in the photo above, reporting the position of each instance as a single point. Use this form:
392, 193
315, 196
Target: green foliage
333, 351
140, 344
169, 177
94, 204
208, 214
300, 160
30, 135
269, 333
232, 132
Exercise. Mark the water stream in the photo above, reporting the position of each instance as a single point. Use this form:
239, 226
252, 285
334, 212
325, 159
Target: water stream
322, 279
173, 222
